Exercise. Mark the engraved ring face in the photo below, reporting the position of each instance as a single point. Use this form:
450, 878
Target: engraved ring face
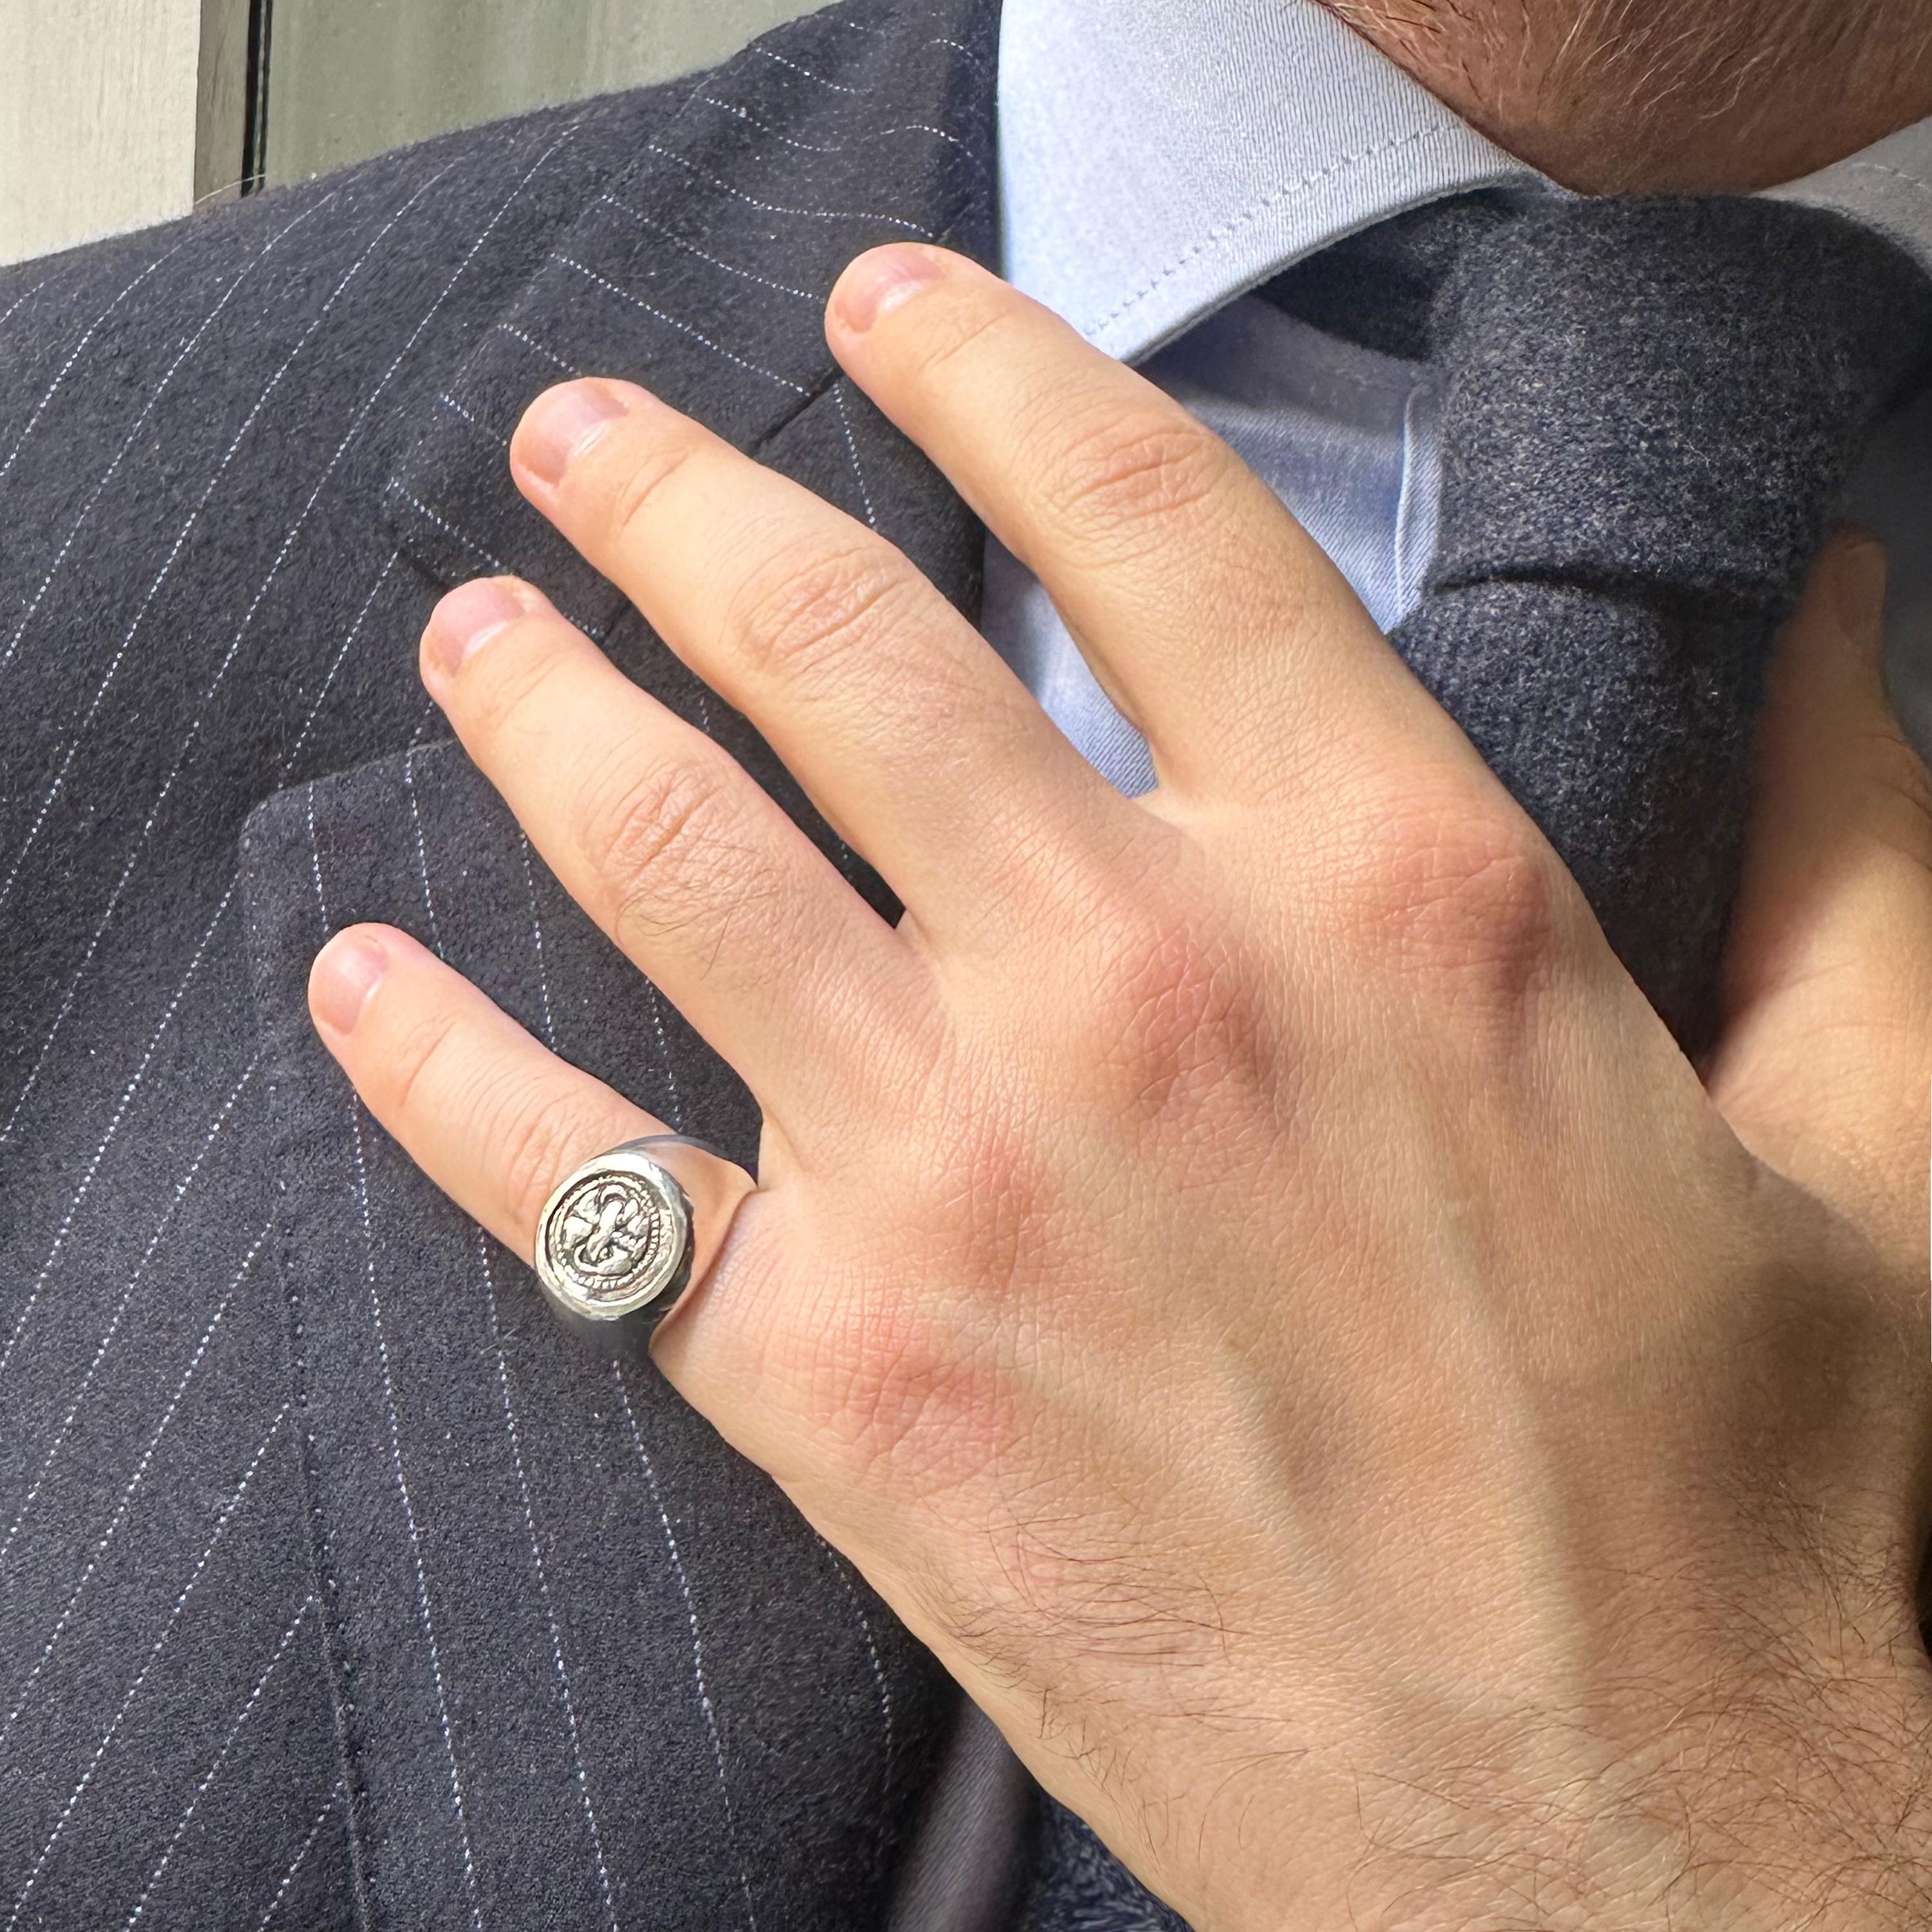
613, 1237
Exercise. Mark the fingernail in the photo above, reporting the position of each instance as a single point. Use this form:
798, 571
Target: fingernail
346, 971
470, 616
1861, 575
562, 423
876, 284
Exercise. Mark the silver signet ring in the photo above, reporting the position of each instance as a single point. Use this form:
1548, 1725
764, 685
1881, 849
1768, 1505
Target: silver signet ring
614, 1242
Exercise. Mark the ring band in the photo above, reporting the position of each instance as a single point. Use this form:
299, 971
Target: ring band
614, 1243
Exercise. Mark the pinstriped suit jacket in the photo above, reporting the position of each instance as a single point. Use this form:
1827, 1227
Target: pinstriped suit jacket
335, 1586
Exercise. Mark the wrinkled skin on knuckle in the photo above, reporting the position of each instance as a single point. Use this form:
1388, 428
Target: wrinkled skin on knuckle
672, 848
1457, 895
905, 1384
497, 689
809, 613
1171, 1016
540, 1134
994, 1197
1118, 479
627, 500
914, 1352
416, 1055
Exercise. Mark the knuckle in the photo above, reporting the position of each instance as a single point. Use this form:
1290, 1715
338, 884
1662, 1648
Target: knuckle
415, 1062
498, 686
1167, 1004
884, 1366
1178, 1017
916, 1392
910, 1368
537, 1137
809, 612
960, 331
1449, 890
1120, 472
632, 496
666, 842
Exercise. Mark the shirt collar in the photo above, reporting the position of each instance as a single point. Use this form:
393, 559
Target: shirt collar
1153, 170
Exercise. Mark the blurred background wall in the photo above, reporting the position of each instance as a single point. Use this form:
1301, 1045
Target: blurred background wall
117, 113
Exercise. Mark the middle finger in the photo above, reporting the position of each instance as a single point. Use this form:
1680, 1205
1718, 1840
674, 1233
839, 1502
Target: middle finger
907, 730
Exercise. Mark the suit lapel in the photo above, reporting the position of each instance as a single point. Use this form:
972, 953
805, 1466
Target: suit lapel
589, 1667
702, 274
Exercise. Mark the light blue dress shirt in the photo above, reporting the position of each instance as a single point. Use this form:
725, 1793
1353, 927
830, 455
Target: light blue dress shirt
1158, 162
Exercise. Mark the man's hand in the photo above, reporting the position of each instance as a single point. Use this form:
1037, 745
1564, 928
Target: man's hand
1243, 1271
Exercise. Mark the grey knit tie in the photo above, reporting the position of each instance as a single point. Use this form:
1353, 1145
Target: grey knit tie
1652, 410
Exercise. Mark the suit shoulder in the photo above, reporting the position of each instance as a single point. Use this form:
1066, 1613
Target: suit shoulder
519, 179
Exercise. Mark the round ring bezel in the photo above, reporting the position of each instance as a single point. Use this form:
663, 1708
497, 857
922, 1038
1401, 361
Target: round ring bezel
667, 1265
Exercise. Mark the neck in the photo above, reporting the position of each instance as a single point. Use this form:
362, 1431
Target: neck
1629, 96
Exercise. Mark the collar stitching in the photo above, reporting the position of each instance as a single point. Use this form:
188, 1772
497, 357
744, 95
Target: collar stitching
1415, 137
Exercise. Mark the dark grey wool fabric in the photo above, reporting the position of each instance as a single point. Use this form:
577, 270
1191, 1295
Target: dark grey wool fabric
1653, 407
337, 1586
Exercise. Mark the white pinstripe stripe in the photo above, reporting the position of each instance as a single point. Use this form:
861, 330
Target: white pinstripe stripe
880, 1686
74, 1797
974, 56
537, 939
776, 208
148, 408
696, 1642
691, 247
422, 848
80, 349
335, 663
100, 1153
852, 454
511, 1428
334, 1798
287, 766
155, 1876
697, 335
175, 1200
282, 552
892, 36
549, 355
676, 1110
134, 1482
482, 429
449, 530
74, 742
395, 1437
836, 86
837, 147
557, 1663
19, 302
596, 633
